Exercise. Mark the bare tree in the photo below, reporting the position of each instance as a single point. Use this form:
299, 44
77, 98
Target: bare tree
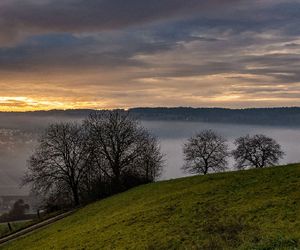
256, 151
149, 164
120, 142
60, 161
205, 152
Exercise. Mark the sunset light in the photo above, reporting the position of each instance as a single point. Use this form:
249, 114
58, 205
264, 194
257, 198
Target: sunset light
179, 97
198, 54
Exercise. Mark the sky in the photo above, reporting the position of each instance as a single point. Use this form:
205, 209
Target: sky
65, 54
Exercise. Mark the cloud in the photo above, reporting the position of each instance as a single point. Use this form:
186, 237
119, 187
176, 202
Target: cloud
21, 18
149, 53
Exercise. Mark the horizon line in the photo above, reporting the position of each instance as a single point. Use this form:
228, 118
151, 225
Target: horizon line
147, 107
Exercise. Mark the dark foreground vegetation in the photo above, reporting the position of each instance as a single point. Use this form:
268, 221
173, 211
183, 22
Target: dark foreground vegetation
252, 209
77, 163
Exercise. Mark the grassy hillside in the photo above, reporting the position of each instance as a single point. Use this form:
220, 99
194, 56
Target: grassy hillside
4, 230
256, 209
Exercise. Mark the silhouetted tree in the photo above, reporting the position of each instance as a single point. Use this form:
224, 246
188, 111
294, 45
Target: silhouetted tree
256, 151
121, 145
60, 161
205, 152
19, 208
108, 153
150, 161
17, 212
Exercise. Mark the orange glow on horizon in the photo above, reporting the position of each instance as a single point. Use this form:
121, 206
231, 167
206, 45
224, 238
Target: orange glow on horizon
23, 104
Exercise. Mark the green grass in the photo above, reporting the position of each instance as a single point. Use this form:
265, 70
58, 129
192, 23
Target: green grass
19, 225
256, 209
4, 230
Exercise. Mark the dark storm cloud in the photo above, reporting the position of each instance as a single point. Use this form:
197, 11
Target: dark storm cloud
63, 50
18, 18
66, 51
117, 53
114, 49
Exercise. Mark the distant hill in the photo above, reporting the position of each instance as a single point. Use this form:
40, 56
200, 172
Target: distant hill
255, 209
261, 116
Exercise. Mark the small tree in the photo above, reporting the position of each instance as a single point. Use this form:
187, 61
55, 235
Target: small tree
17, 212
60, 161
256, 151
205, 152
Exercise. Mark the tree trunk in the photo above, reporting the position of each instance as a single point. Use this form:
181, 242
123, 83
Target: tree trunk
75, 196
205, 170
117, 185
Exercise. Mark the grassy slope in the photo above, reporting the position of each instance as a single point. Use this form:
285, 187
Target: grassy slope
256, 209
4, 230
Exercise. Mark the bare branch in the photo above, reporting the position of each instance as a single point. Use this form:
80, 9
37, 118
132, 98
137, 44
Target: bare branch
205, 152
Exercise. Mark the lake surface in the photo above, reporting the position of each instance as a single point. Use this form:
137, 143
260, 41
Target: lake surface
174, 134
16, 146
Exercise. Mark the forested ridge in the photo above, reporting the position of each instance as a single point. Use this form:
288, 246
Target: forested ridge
281, 116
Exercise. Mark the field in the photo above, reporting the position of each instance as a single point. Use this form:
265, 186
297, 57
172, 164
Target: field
255, 209
4, 230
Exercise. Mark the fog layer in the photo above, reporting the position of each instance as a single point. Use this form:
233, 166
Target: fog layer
18, 138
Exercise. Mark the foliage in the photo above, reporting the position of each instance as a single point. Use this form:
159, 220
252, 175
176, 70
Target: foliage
253, 209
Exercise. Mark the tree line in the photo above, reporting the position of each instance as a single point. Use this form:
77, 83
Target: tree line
267, 116
77, 163
110, 152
